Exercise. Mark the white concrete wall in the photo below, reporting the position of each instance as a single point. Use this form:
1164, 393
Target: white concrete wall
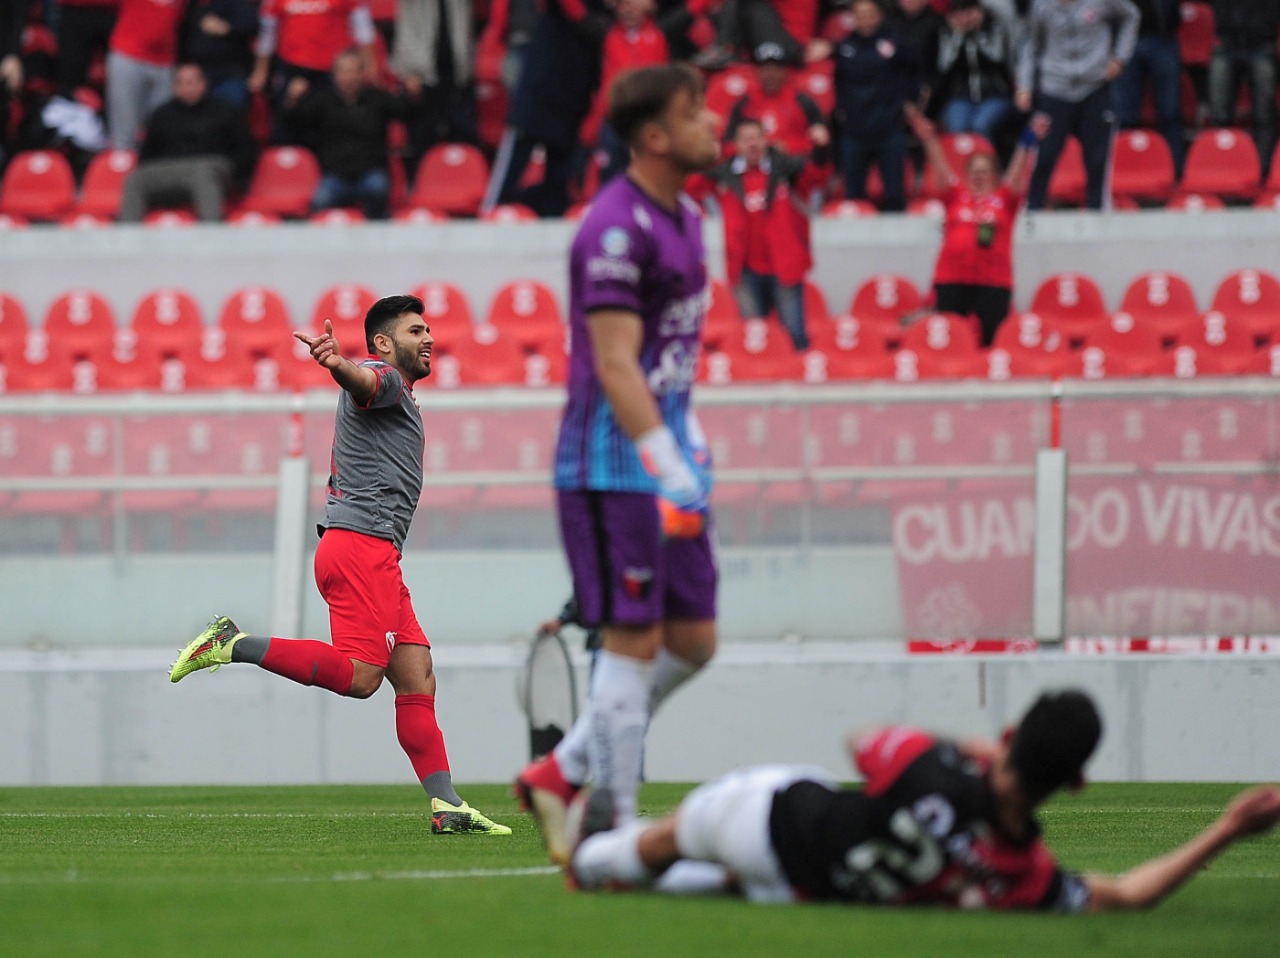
113, 718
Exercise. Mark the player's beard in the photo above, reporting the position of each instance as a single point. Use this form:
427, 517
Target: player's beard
407, 358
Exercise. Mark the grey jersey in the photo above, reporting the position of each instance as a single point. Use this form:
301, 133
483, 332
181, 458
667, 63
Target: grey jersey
1069, 43
375, 471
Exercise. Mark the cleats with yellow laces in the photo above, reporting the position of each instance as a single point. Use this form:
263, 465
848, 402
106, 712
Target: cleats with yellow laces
211, 649
461, 819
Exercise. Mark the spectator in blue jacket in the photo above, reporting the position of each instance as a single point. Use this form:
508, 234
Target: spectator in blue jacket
876, 75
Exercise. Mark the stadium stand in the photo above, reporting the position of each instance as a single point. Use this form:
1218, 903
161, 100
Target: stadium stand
1161, 300
528, 313
103, 183
38, 185
885, 297
283, 181
1252, 296
450, 179
253, 323
167, 323
1072, 302
80, 322
345, 305
1223, 162
1142, 167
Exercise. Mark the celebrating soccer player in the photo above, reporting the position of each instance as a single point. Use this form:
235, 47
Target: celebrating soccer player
632, 467
374, 486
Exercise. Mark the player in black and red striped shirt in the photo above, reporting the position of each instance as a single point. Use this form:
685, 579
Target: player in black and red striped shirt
937, 822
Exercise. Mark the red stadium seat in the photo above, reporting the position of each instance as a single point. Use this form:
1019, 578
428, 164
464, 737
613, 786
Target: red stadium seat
1196, 34
527, 312
170, 218
21, 374
1068, 181
815, 304
10, 222
345, 305
1162, 301
337, 216
1097, 362
815, 80
283, 182
1072, 302
1195, 202
941, 333
1124, 339
104, 183
451, 179
1142, 167
1253, 296
167, 322
445, 307
722, 308
850, 336
1215, 332
849, 209
885, 296
1223, 162
252, 323
13, 326
38, 185
1028, 333
927, 206
1190, 362
510, 213
1272, 184
110, 374
910, 365
252, 218
84, 221
481, 358
79, 322
419, 215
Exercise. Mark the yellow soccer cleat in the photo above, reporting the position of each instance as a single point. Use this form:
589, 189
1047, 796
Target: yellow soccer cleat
461, 819
211, 649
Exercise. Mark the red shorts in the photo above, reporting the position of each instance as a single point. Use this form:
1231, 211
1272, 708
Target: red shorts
370, 611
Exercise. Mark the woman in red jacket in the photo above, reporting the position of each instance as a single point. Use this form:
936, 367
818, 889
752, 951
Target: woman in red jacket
974, 275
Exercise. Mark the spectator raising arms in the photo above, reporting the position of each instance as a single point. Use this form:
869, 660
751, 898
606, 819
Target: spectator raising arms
1073, 52
974, 275
348, 123
197, 146
140, 66
761, 192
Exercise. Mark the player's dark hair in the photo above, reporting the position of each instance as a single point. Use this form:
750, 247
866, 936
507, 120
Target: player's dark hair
1053, 741
641, 96
383, 314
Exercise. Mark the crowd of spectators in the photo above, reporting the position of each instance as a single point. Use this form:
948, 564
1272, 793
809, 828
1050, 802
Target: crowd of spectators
343, 76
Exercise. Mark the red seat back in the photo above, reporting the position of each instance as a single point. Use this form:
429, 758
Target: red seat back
885, 296
253, 322
38, 185
1142, 166
1161, 300
1071, 301
1253, 296
104, 182
528, 312
1223, 162
78, 322
451, 178
167, 322
283, 182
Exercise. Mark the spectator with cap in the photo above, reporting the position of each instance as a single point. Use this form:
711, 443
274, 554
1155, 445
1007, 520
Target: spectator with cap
1156, 60
790, 117
197, 148
1074, 50
348, 120
1245, 47
975, 69
876, 75
761, 194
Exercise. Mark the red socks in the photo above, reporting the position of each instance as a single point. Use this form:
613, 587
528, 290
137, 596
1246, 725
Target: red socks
419, 735
309, 662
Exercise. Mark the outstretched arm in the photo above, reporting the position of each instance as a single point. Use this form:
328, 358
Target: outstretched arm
360, 381
943, 175
1253, 812
1015, 177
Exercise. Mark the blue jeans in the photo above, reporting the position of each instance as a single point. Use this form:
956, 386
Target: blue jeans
371, 192
759, 293
965, 116
1154, 59
232, 89
890, 153
1093, 122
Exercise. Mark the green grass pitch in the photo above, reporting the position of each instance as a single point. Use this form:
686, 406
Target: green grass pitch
353, 871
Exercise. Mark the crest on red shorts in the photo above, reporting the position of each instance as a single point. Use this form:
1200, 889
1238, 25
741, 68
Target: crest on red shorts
638, 583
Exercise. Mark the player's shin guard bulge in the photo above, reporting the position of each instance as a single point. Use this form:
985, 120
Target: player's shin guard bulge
542, 789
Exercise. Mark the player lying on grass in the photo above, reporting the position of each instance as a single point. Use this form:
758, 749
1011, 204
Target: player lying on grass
937, 822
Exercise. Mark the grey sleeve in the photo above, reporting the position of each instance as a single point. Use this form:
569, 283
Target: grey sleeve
1025, 75
1128, 18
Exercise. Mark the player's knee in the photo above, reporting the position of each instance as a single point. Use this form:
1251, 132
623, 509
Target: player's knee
364, 682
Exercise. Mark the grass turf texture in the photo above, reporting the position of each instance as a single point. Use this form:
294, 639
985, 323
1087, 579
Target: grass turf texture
354, 871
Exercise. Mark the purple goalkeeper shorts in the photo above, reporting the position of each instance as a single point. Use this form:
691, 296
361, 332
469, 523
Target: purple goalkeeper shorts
625, 572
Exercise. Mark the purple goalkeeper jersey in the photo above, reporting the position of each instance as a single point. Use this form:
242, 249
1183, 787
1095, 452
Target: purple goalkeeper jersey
631, 254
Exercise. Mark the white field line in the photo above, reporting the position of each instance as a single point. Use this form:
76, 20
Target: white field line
74, 877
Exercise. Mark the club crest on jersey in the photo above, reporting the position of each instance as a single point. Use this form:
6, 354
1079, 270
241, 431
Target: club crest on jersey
637, 583
391, 641
615, 241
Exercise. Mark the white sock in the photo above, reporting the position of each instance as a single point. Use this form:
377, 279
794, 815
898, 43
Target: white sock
571, 751
619, 714
612, 856
669, 673
693, 878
